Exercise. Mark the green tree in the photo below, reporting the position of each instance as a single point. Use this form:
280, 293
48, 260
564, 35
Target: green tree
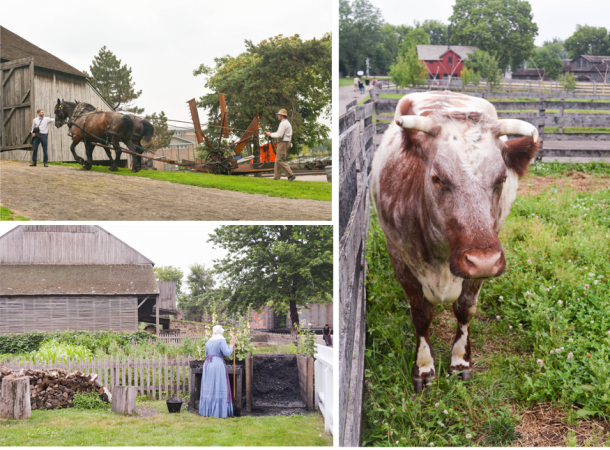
360, 32
279, 72
504, 29
485, 66
385, 51
408, 70
170, 273
113, 81
547, 60
414, 37
588, 40
163, 135
201, 296
556, 46
283, 266
470, 76
437, 31
568, 81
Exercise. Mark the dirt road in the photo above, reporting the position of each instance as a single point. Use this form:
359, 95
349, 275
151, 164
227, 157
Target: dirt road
69, 193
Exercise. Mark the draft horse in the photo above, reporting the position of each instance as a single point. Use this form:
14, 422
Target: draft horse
141, 136
108, 128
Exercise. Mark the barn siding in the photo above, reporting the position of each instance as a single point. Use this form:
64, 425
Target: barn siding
24, 314
43, 244
49, 86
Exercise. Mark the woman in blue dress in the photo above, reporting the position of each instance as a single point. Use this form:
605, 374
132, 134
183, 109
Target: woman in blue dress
215, 399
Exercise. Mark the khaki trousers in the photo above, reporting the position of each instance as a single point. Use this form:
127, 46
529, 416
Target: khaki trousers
281, 164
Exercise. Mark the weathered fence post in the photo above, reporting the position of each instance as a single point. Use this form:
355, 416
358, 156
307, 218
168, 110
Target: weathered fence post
542, 115
249, 382
15, 399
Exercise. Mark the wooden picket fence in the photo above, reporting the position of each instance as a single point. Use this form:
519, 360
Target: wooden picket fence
158, 376
178, 338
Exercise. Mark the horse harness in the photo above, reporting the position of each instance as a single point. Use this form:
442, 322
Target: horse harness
77, 114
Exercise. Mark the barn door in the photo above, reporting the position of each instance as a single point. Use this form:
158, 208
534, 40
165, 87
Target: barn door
17, 84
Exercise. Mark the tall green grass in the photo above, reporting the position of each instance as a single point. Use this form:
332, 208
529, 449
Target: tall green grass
542, 333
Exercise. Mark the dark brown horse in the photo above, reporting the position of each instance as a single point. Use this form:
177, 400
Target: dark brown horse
141, 136
108, 128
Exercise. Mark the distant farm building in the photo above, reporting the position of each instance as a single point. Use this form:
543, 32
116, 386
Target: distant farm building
77, 277
313, 317
444, 61
32, 79
588, 68
182, 146
528, 74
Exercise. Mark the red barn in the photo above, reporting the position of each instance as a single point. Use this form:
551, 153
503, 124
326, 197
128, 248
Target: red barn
443, 61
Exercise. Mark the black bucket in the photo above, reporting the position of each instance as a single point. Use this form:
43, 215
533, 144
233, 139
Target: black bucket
174, 404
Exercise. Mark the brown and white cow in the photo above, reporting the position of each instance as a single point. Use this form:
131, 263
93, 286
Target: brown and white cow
443, 182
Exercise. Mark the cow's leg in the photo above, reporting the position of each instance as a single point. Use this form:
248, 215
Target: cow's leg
464, 309
422, 313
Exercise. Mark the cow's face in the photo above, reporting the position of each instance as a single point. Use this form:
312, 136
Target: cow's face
467, 166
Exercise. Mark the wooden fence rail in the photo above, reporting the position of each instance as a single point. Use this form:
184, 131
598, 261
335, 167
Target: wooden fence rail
356, 151
535, 112
158, 376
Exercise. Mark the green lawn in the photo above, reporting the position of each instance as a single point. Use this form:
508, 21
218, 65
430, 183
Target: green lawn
74, 427
7, 214
541, 337
312, 190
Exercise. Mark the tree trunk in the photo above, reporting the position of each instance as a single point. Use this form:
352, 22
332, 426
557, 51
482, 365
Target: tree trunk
15, 400
294, 316
124, 399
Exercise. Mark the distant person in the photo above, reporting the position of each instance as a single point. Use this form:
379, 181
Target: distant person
284, 134
361, 86
326, 335
40, 135
368, 81
356, 84
374, 82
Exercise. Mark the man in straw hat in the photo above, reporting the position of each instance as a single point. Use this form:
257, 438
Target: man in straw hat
215, 398
284, 134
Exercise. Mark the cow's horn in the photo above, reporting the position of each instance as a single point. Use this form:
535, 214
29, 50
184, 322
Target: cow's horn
419, 123
514, 126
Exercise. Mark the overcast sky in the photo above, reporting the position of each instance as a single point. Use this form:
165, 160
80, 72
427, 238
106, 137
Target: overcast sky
178, 244
553, 17
162, 41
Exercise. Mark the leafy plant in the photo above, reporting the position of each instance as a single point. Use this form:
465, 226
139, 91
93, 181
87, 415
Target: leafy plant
500, 430
307, 342
408, 71
89, 401
568, 81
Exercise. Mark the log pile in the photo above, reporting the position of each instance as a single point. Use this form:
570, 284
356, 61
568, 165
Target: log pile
55, 388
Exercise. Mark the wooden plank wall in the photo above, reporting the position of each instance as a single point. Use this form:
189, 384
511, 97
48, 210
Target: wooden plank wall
17, 98
25, 314
167, 294
65, 244
157, 376
49, 86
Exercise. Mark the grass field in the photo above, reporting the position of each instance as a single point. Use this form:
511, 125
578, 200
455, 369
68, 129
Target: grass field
311, 190
77, 427
7, 214
541, 337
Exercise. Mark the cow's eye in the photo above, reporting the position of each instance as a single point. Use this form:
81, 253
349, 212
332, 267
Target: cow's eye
499, 183
436, 180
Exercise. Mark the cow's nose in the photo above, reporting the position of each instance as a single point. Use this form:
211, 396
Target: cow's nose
483, 264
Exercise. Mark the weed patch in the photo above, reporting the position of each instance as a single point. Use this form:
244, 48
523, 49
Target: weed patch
8, 215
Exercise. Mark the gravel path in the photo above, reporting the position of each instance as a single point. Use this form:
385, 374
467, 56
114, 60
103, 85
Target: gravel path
69, 193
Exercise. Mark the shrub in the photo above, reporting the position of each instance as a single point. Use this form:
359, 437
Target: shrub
89, 401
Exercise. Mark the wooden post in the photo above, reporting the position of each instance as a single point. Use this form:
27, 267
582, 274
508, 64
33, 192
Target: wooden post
157, 315
541, 114
309, 403
15, 400
124, 399
561, 108
249, 383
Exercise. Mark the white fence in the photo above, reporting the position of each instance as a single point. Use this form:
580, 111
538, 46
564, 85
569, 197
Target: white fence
323, 372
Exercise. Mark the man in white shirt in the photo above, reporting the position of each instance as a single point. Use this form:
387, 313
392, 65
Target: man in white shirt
42, 123
284, 134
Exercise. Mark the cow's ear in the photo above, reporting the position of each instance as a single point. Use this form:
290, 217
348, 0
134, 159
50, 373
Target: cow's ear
518, 153
58, 102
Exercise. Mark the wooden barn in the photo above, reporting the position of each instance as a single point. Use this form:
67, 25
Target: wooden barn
76, 277
32, 79
313, 317
443, 61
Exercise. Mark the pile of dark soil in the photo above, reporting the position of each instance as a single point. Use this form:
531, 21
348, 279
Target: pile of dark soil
275, 382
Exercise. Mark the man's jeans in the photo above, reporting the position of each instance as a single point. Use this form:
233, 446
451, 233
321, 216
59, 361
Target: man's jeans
35, 142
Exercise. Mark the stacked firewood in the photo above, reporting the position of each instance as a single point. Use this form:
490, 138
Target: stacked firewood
55, 388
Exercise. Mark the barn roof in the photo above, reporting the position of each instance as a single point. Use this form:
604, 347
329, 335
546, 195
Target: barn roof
529, 72
434, 52
43, 279
15, 47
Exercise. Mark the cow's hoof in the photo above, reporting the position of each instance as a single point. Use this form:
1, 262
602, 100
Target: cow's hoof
421, 384
463, 374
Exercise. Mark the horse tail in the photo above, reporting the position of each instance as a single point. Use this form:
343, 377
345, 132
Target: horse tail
149, 131
128, 125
